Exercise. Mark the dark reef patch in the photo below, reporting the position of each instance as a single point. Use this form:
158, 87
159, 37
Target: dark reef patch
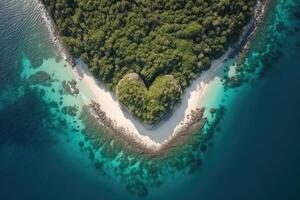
70, 110
40, 77
136, 169
69, 87
266, 49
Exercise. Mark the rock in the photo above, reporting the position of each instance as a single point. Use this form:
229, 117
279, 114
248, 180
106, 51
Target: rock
70, 87
70, 110
81, 144
212, 110
40, 77
72, 82
281, 27
66, 87
137, 188
234, 81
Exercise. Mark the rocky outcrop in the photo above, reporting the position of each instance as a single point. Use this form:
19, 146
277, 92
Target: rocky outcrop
195, 122
259, 15
69, 87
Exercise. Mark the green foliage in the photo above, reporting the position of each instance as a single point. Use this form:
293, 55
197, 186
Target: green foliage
97, 37
190, 31
149, 37
151, 104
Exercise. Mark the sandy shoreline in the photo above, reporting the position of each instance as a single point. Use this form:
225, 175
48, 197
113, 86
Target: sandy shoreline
191, 100
159, 136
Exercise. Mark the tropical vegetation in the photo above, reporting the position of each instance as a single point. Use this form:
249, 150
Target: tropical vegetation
158, 40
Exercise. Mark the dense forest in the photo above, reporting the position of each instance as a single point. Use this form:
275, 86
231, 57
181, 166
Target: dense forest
151, 38
148, 104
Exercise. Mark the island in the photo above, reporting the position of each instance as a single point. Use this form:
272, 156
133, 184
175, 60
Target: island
145, 81
162, 101
148, 52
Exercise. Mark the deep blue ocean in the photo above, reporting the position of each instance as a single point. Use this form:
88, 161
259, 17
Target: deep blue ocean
255, 152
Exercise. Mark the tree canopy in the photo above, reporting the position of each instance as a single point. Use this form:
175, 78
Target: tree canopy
149, 37
149, 105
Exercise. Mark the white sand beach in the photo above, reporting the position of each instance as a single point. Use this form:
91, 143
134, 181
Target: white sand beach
191, 100
161, 133
168, 127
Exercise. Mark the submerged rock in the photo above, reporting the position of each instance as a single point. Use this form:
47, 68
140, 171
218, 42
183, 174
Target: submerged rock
81, 144
69, 87
234, 81
70, 110
137, 188
281, 27
42, 92
212, 110
40, 77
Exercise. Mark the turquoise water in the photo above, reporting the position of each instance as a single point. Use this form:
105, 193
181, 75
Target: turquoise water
44, 153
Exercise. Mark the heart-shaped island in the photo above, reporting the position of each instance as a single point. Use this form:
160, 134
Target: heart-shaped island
147, 52
150, 104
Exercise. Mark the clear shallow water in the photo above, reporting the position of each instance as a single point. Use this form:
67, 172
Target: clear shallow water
255, 154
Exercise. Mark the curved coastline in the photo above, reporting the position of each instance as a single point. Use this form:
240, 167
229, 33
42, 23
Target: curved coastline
186, 119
